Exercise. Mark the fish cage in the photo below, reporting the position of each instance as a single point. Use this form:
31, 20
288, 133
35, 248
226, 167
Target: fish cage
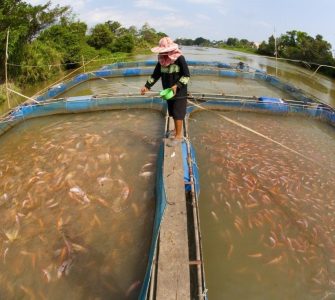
49, 104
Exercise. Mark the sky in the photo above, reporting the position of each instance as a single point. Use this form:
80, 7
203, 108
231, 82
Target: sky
254, 20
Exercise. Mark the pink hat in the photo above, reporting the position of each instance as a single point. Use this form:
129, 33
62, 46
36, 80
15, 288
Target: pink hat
165, 45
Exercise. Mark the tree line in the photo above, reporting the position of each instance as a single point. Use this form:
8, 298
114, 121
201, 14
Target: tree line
294, 45
230, 42
46, 39
300, 46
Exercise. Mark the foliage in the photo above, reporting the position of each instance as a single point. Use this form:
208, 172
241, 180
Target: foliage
298, 45
230, 42
101, 36
68, 38
41, 63
42, 36
3, 94
267, 48
124, 43
185, 42
24, 22
150, 35
112, 36
200, 41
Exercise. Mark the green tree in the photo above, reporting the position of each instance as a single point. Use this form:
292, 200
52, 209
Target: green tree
186, 42
25, 23
114, 26
149, 34
298, 45
41, 62
232, 42
68, 38
125, 43
101, 36
200, 41
267, 48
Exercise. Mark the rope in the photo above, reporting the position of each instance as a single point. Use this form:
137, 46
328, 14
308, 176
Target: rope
59, 80
261, 135
103, 59
58, 65
22, 95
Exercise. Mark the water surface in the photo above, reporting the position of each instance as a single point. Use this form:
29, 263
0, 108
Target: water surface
267, 213
77, 205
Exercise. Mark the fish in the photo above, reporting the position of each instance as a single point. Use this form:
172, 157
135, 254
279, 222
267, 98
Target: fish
47, 275
134, 286
255, 255
215, 216
80, 193
276, 260
28, 292
146, 174
230, 251
64, 268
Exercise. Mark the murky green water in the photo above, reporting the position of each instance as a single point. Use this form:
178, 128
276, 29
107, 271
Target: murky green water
77, 205
267, 213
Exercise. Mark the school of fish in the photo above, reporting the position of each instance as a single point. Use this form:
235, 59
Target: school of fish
267, 214
77, 205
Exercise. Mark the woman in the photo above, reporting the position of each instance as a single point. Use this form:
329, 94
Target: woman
173, 70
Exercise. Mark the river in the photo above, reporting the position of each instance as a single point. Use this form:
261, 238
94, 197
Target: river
316, 85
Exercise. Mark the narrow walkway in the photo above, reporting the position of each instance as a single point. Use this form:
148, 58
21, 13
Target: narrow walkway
173, 276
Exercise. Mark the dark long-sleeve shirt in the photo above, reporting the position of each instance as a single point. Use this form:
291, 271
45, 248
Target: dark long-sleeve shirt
176, 73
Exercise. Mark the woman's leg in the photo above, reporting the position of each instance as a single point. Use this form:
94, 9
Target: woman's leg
178, 124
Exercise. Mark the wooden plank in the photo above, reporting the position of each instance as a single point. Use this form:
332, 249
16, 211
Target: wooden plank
173, 275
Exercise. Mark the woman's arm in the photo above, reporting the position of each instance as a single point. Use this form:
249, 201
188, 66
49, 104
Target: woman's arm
184, 72
154, 77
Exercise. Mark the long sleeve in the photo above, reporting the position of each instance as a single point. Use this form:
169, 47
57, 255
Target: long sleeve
184, 72
154, 77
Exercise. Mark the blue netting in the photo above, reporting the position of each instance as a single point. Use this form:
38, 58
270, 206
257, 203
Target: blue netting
270, 99
321, 112
84, 103
160, 207
195, 169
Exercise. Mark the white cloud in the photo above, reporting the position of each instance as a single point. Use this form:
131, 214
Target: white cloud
222, 11
36, 2
153, 4
103, 14
263, 24
204, 1
203, 17
172, 21
76, 5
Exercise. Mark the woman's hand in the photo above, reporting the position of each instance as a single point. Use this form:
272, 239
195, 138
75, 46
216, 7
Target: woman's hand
174, 88
144, 90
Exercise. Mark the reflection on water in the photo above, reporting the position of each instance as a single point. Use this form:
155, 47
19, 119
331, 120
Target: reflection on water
77, 205
267, 214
